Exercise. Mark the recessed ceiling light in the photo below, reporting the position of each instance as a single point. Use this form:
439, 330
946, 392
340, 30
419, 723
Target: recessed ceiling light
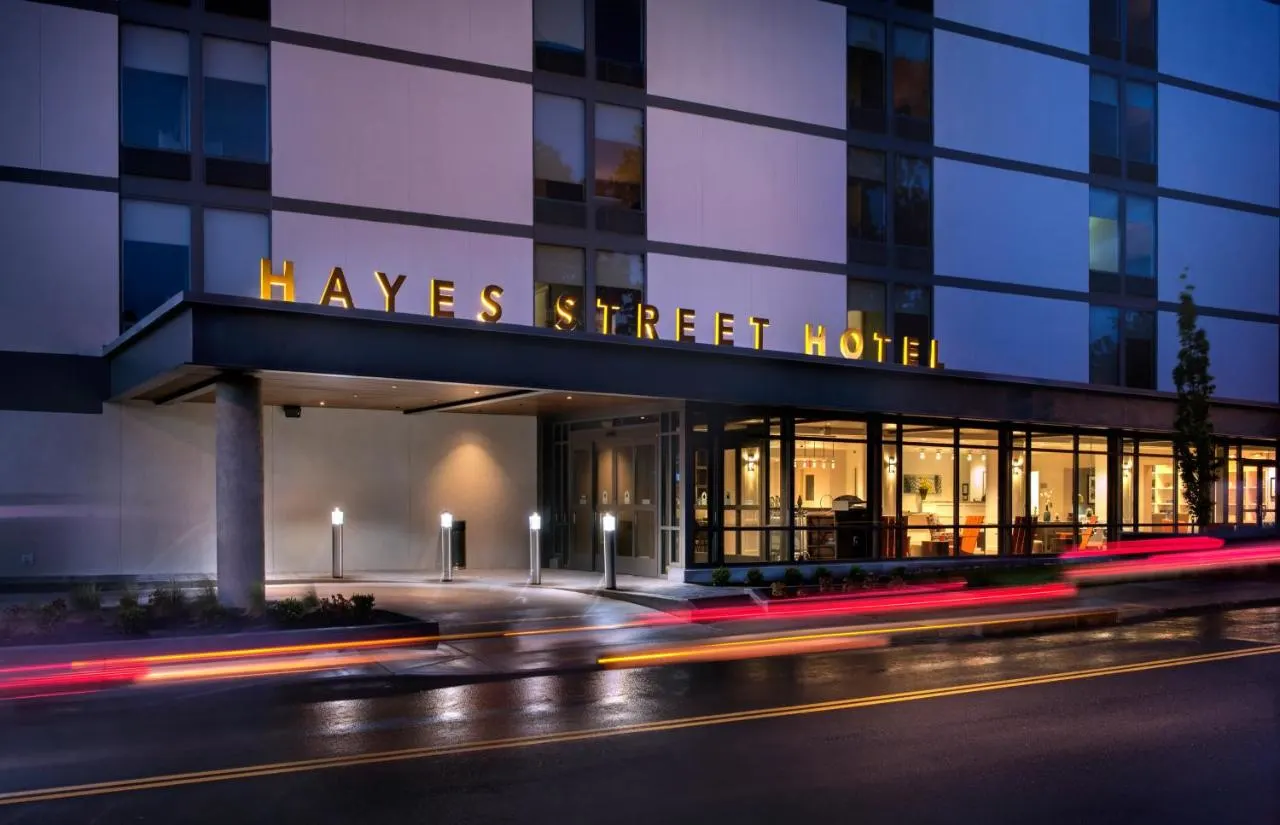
355, 395
568, 398
393, 386
322, 403
477, 392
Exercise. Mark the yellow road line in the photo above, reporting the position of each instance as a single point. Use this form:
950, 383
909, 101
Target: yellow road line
382, 757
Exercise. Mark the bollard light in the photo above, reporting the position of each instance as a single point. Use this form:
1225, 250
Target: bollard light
608, 548
446, 546
535, 548
336, 519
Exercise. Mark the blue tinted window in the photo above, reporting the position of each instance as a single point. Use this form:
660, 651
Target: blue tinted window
153, 89
1140, 237
1140, 122
1104, 230
155, 256
1104, 345
235, 101
1104, 116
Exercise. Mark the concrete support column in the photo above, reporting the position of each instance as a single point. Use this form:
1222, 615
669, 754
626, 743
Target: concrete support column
241, 511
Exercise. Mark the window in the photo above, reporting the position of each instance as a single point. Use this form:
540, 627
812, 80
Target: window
1123, 30
1140, 349
559, 150
866, 210
620, 286
912, 313
252, 9
154, 89
1104, 231
620, 156
866, 309
1141, 40
234, 243
865, 68
1104, 124
235, 101
559, 273
1104, 345
1122, 347
911, 83
155, 256
1139, 240
911, 208
1140, 125
559, 36
620, 42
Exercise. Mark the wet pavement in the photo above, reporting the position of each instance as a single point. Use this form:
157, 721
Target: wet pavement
1189, 743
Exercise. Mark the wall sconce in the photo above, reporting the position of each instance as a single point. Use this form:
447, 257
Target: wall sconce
751, 459
922, 455
938, 455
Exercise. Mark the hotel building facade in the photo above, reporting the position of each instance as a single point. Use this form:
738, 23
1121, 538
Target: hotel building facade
771, 281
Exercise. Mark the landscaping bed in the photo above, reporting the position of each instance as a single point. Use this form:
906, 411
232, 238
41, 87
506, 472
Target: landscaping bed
801, 583
174, 612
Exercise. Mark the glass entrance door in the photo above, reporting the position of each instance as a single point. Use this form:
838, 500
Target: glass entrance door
618, 475
581, 508
1259, 489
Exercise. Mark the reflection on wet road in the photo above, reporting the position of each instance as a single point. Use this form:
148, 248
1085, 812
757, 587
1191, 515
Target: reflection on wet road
1141, 741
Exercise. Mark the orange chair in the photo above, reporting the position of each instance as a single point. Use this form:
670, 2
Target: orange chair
969, 535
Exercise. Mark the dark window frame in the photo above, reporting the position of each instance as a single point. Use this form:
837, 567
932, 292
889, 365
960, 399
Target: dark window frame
887, 121
1121, 357
1123, 46
1122, 282
592, 66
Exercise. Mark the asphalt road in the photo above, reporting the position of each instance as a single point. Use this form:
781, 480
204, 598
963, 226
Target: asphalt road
1066, 728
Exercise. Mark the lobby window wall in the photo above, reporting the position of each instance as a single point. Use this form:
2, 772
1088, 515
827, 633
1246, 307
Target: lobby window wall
1153, 499
1058, 489
940, 491
1246, 491
832, 491
752, 509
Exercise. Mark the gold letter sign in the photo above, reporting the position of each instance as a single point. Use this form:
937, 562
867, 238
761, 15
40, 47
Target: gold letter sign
270, 280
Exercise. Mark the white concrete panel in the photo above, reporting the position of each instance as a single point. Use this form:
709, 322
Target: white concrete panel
58, 296
373, 133
58, 89
484, 470
1232, 257
392, 474
728, 185
20, 83
1010, 227
79, 91
1011, 103
1012, 335
497, 32
354, 459
1061, 23
782, 58
59, 494
1242, 356
1218, 147
167, 490
788, 298
1231, 44
472, 261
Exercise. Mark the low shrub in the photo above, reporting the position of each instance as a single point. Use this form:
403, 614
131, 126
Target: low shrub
856, 576
85, 598
362, 606
128, 600
336, 608
257, 600
133, 619
53, 613
755, 578
778, 590
287, 611
310, 601
720, 576
168, 602
792, 577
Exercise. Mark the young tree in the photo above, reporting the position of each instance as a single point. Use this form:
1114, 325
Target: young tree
1193, 445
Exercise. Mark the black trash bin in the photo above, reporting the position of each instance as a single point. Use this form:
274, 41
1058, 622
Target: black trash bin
459, 545
853, 527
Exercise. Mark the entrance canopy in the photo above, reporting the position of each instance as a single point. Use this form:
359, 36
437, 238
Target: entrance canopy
357, 358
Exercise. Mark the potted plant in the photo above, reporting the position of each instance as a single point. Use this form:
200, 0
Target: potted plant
923, 489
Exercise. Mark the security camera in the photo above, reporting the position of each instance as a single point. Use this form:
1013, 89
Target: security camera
292, 411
